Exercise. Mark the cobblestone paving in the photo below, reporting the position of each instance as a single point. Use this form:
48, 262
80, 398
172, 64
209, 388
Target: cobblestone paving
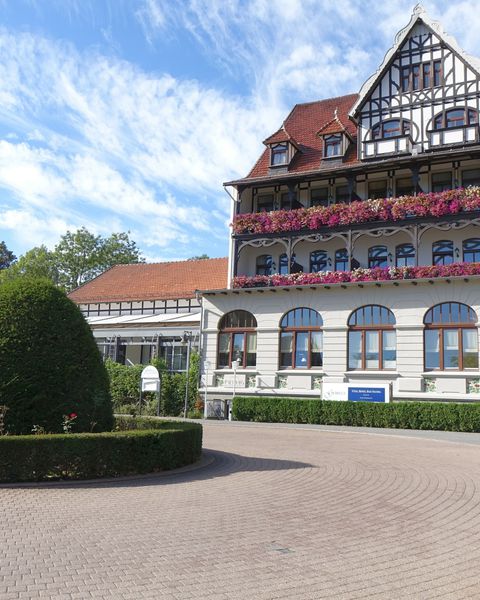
278, 513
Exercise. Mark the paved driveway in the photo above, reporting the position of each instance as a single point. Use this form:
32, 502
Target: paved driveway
279, 512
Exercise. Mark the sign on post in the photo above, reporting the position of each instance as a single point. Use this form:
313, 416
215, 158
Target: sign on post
150, 379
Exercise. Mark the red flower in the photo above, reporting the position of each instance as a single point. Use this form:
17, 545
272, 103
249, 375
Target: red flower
72, 416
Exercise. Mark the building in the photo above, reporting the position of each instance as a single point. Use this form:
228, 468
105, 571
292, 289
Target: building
141, 311
355, 243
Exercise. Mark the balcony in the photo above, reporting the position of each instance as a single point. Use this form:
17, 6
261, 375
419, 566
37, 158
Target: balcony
359, 275
384, 147
341, 215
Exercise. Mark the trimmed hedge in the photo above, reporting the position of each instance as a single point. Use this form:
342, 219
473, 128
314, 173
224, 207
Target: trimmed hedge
165, 445
398, 415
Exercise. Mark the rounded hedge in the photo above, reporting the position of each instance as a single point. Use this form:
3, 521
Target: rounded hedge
50, 365
166, 445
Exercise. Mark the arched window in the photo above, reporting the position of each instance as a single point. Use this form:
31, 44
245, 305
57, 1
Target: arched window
390, 129
237, 340
442, 252
471, 250
341, 260
405, 255
451, 338
372, 340
283, 264
455, 117
377, 257
318, 261
301, 343
264, 265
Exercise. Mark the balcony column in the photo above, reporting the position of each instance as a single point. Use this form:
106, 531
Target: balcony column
349, 249
235, 258
289, 254
415, 243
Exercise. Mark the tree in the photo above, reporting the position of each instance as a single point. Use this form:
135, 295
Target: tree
37, 263
50, 365
201, 257
7, 257
80, 256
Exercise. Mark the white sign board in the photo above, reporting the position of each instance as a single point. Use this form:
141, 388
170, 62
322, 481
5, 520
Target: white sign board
150, 379
356, 392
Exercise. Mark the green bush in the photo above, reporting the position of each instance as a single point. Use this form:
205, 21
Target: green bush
50, 365
400, 415
165, 445
125, 385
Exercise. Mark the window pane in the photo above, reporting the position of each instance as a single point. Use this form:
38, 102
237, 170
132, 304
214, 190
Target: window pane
251, 349
279, 154
441, 181
450, 348
223, 349
455, 118
391, 129
415, 77
342, 194
437, 70
283, 269
341, 260
377, 257
319, 197
405, 79
470, 177
238, 345
354, 349
265, 202
318, 261
432, 349
317, 349
426, 75
405, 255
471, 250
442, 252
264, 265
371, 350
389, 349
378, 189
470, 348
301, 350
404, 186
286, 347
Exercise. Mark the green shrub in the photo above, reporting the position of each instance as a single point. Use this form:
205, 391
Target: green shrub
400, 415
111, 454
125, 386
50, 365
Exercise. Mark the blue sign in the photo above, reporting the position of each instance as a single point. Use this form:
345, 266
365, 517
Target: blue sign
366, 394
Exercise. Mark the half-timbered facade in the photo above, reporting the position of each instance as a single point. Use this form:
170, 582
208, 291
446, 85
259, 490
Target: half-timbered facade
355, 246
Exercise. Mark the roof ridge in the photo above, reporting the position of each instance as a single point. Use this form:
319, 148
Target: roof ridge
167, 262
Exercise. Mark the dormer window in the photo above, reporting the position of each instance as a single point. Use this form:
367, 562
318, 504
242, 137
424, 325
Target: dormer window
333, 145
455, 117
390, 129
279, 154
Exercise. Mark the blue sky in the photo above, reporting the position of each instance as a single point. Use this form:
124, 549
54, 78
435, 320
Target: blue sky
129, 114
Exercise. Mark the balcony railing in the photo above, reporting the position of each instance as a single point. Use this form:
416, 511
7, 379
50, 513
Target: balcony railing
396, 145
438, 204
358, 275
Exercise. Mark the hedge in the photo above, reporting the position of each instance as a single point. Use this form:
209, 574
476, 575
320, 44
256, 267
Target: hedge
399, 415
91, 455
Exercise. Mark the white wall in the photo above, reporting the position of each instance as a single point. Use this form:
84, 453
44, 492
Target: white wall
408, 302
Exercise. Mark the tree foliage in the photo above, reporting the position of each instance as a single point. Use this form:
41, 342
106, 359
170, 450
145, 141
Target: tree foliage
50, 365
78, 257
7, 257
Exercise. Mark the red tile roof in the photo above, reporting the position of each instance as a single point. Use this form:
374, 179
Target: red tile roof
153, 281
303, 124
333, 126
281, 135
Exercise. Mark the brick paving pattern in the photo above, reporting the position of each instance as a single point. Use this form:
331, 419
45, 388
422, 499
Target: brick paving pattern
278, 513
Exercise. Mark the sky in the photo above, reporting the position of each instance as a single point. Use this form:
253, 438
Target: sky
128, 115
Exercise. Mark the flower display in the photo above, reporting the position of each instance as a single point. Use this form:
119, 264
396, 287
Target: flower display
434, 204
358, 275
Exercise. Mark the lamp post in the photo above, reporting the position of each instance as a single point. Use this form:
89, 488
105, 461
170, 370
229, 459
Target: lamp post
234, 367
206, 364
187, 339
